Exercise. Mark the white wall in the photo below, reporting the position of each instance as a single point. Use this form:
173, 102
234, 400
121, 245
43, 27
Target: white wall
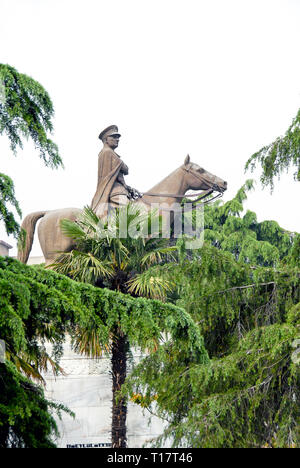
87, 391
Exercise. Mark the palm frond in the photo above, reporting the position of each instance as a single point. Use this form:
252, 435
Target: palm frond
156, 256
148, 284
86, 342
72, 229
83, 266
128, 241
91, 223
28, 370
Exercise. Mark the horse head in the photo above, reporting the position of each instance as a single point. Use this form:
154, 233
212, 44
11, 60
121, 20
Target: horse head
198, 178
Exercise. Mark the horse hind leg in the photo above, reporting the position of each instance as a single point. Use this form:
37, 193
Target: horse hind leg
52, 240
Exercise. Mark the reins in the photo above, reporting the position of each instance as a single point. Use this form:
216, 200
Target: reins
199, 195
192, 204
202, 194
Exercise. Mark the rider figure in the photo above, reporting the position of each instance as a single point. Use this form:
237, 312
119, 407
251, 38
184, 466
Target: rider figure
111, 186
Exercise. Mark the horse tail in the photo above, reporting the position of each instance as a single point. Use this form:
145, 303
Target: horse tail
28, 228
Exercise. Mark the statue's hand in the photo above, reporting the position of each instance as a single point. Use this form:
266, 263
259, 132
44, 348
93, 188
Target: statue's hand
135, 194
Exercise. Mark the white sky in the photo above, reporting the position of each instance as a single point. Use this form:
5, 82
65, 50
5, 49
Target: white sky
217, 79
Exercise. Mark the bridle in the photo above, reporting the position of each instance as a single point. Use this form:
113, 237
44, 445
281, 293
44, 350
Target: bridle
199, 195
214, 185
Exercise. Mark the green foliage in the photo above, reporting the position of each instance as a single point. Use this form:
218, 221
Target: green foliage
293, 259
233, 297
39, 305
229, 306
264, 243
7, 195
279, 155
247, 311
249, 398
25, 415
44, 305
26, 111
117, 253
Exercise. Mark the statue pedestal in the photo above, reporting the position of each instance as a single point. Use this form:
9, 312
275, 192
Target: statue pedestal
87, 391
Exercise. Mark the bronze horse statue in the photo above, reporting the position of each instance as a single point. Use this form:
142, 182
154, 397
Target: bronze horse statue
170, 190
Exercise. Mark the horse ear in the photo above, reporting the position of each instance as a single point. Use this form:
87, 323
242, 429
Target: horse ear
187, 160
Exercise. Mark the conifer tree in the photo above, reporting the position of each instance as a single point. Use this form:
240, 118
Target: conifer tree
242, 288
227, 227
26, 112
38, 306
278, 156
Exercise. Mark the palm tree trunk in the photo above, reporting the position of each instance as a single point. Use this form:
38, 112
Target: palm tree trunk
119, 407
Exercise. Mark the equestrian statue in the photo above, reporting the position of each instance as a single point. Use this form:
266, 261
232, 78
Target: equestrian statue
113, 192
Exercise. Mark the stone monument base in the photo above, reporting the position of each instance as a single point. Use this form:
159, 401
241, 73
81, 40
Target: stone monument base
86, 389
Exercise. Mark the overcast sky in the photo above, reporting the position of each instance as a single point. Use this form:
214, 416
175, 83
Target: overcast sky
217, 79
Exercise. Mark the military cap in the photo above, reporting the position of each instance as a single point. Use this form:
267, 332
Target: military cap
109, 131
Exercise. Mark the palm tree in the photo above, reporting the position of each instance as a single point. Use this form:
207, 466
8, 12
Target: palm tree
122, 253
